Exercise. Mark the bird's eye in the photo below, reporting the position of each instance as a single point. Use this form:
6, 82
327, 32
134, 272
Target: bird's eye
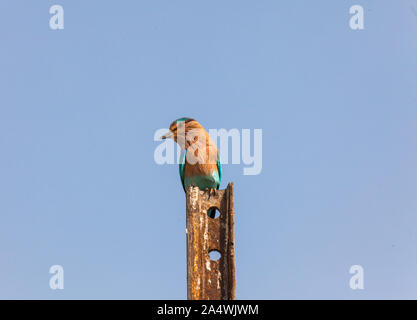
195, 138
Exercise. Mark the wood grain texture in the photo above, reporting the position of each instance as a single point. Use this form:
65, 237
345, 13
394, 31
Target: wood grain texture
207, 279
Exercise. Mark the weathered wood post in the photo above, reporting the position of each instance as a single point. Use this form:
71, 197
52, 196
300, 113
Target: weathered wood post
208, 279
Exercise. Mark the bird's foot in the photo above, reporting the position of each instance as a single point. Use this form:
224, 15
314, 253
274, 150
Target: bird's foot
211, 192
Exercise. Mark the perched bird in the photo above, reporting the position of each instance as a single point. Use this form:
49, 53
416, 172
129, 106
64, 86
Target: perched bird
200, 164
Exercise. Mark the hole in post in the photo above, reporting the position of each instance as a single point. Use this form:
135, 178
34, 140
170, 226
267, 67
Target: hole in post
213, 212
215, 255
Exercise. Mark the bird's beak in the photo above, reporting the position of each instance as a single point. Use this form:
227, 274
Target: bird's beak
167, 135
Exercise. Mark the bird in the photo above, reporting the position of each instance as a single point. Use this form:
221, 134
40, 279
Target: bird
200, 164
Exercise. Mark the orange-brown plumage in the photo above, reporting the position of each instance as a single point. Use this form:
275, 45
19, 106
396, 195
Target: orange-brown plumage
201, 166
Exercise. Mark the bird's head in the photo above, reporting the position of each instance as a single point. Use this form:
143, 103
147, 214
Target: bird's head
179, 129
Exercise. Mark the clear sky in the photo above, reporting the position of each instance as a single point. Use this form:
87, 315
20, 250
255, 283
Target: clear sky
79, 186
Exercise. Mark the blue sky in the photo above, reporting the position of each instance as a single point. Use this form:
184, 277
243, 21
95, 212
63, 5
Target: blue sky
79, 107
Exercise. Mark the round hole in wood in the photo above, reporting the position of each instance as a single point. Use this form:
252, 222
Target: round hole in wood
213, 212
215, 255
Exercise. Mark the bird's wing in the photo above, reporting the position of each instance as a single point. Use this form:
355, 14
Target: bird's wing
219, 169
182, 167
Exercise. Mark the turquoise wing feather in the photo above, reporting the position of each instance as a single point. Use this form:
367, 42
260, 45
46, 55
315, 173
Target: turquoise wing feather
181, 167
219, 169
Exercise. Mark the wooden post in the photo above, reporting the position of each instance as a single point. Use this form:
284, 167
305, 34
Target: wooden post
208, 279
